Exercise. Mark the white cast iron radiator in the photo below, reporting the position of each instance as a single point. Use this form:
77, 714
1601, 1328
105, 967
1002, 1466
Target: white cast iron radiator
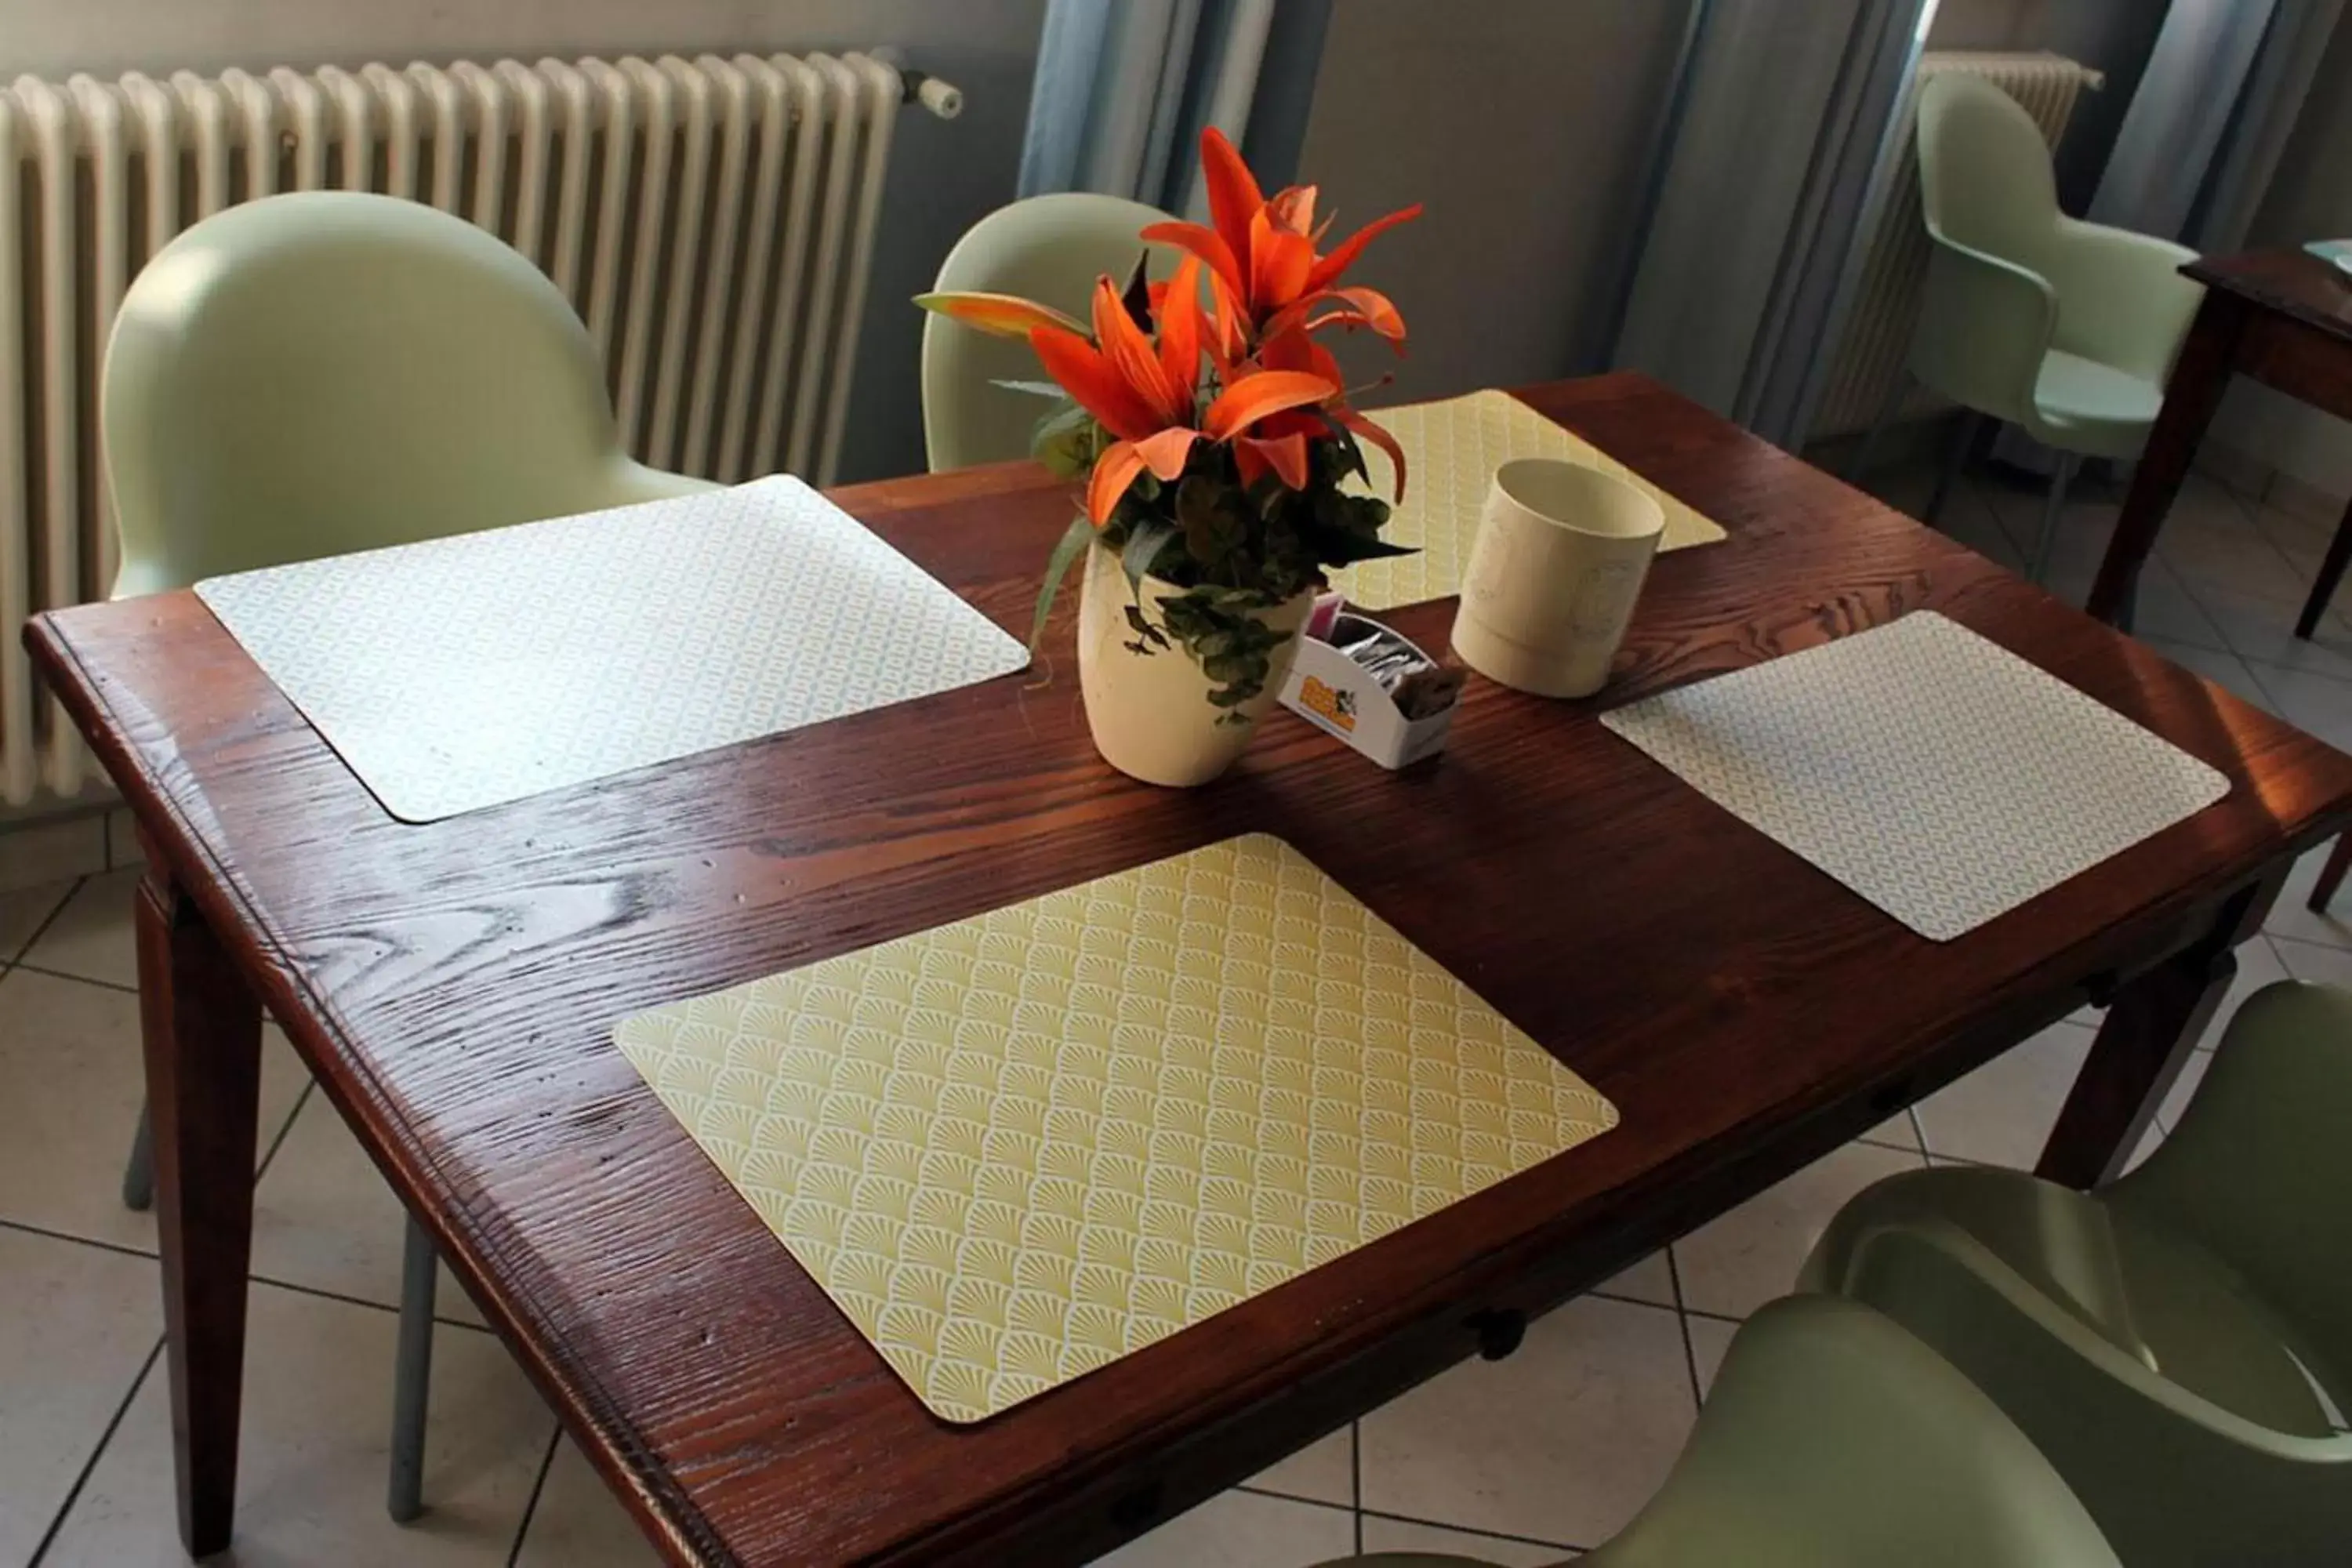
1887, 305
711, 220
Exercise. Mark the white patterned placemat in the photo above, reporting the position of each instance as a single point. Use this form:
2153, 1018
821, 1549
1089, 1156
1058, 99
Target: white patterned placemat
470, 671
1933, 771
1452, 448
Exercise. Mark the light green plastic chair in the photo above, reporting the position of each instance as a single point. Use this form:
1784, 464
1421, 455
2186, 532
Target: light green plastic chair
1047, 248
1834, 1439
2067, 329
325, 372
2162, 1340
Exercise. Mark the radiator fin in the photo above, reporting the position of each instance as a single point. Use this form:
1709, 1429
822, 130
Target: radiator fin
712, 220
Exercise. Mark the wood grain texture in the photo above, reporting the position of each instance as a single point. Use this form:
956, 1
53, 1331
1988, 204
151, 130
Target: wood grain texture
454, 984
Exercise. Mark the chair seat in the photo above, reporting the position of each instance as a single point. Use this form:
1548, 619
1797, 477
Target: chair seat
2094, 408
2154, 1294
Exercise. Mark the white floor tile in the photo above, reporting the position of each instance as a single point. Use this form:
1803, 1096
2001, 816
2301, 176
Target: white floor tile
122, 846
1323, 1471
2001, 1113
1652, 1280
74, 1081
579, 1524
310, 1470
2331, 927
1709, 1338
2263, 630
92, 936
1404, 1535
23, 911
1738, 1262
76, 1324
2323, 966
1897, 1132
322, 1218
38, 852
1563, 1440
1242, 1527
2163, 609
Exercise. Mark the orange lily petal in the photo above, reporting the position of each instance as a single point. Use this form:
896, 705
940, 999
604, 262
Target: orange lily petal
1179, 315
1115, 470
1293, 350
1130, 354
1089, 379
1286, 455
1234, 196
1249, 463
1002, 315
1380, 437
1279, 264
1205, 243
1293, 210
1231, 339
1253, 397
1375, 309
1327, 271
1165, 454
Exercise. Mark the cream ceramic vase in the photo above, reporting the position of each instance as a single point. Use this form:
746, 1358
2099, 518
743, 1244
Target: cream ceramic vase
1150, 713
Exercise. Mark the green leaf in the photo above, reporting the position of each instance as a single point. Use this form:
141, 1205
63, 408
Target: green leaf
1034, 388
1057, 566
1144, 543
1064, 442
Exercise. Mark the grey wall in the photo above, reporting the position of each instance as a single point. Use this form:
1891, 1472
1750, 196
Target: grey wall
1526, 128
2111, 36
943, 174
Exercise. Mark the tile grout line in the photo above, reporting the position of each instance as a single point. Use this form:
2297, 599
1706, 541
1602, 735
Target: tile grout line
114, 985
42, 930
1476, 1529
530, 1507
1682, 1324
317, 1292
97, 1451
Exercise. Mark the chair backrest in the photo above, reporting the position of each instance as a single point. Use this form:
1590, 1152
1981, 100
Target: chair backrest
1984, 177
1048, 248
322, 372
1834, 1438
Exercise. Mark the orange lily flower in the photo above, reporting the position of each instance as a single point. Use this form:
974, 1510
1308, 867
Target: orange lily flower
1262, 253
1000, 315
1147, 395
1294, 350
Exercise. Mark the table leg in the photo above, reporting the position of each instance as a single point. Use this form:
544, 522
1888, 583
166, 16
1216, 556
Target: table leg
202, 1029
2149, 1035
2331, 876
2199, 379
2331, 574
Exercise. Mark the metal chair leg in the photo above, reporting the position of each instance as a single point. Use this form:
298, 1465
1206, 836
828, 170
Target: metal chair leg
1963, 440
2052, 510
411, 1373
139, 1171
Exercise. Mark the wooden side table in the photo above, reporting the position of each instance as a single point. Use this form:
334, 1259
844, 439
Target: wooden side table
2283, 318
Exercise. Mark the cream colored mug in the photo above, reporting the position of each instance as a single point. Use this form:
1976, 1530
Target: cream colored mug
1554, 573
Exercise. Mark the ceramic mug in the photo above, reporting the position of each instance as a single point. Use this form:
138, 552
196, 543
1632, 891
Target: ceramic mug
1557, 565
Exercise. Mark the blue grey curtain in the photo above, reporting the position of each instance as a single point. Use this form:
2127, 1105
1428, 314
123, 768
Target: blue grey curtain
1781, 133
1124, 89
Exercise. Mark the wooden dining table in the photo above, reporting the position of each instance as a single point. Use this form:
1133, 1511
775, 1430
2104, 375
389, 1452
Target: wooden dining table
453, 987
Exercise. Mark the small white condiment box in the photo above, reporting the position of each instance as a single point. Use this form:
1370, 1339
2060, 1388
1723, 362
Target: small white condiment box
1333, 692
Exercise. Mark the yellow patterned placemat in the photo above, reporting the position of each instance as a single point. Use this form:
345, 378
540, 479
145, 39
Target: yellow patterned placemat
1016, 1148
1452, 449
